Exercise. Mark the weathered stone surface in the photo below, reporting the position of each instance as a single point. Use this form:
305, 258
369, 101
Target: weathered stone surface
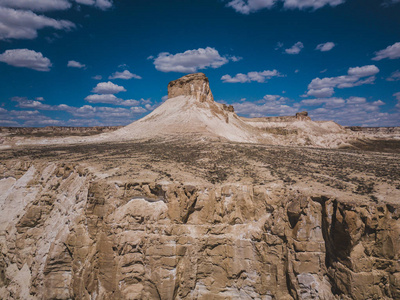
194, 85
82, 237
303, 116
228, 108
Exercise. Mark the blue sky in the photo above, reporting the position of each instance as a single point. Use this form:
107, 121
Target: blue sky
104, 62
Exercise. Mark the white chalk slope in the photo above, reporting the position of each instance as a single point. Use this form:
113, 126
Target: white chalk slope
187, 116
303, 132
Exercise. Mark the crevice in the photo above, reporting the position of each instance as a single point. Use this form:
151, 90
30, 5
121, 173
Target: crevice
293, 218
156, 289
176, 288
68, 250
330, 256
191, 210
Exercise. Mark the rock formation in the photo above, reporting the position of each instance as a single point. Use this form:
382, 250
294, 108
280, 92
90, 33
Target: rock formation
229, 108
66, 233
303, 116
192, 85
192, 112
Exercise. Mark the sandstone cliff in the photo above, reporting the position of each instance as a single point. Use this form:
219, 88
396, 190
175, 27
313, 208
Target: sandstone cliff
192, 85
124, 224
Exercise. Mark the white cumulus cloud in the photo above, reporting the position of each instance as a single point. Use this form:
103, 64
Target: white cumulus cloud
104, 98
108, 88
325, 46
103, 4
75, 64
251, 6
52, 5
130, 102
310, 4
189, 61
269, 105
351, 111
86, 115
329, 102
251, 76
37, 5
363, 71
112, 99
21, 24
395, 76
24, 102
355, 77
86, 2
19, 19
397, 96
295, 49
321, 93
124, 75
391, 52
27, 59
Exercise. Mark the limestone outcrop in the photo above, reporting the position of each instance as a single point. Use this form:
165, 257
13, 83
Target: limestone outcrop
67, 234
193, 85
300, 116
303, 116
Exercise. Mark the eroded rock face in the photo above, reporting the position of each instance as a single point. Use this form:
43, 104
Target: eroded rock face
303, 116
81, 237
193, 85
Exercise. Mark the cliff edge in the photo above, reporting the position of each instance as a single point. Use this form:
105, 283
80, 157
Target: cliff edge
193, 85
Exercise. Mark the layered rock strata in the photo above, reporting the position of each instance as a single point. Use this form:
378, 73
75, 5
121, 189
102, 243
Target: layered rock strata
65, 234
303, 116
193, 85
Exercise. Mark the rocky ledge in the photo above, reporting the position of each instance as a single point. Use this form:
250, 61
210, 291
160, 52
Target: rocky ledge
83, 238
198, 221
194, 85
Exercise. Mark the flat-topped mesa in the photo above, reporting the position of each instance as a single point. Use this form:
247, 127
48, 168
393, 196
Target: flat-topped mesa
303, 116
195, 85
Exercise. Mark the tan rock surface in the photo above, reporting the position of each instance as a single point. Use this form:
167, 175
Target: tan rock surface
193, 85
161, 220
